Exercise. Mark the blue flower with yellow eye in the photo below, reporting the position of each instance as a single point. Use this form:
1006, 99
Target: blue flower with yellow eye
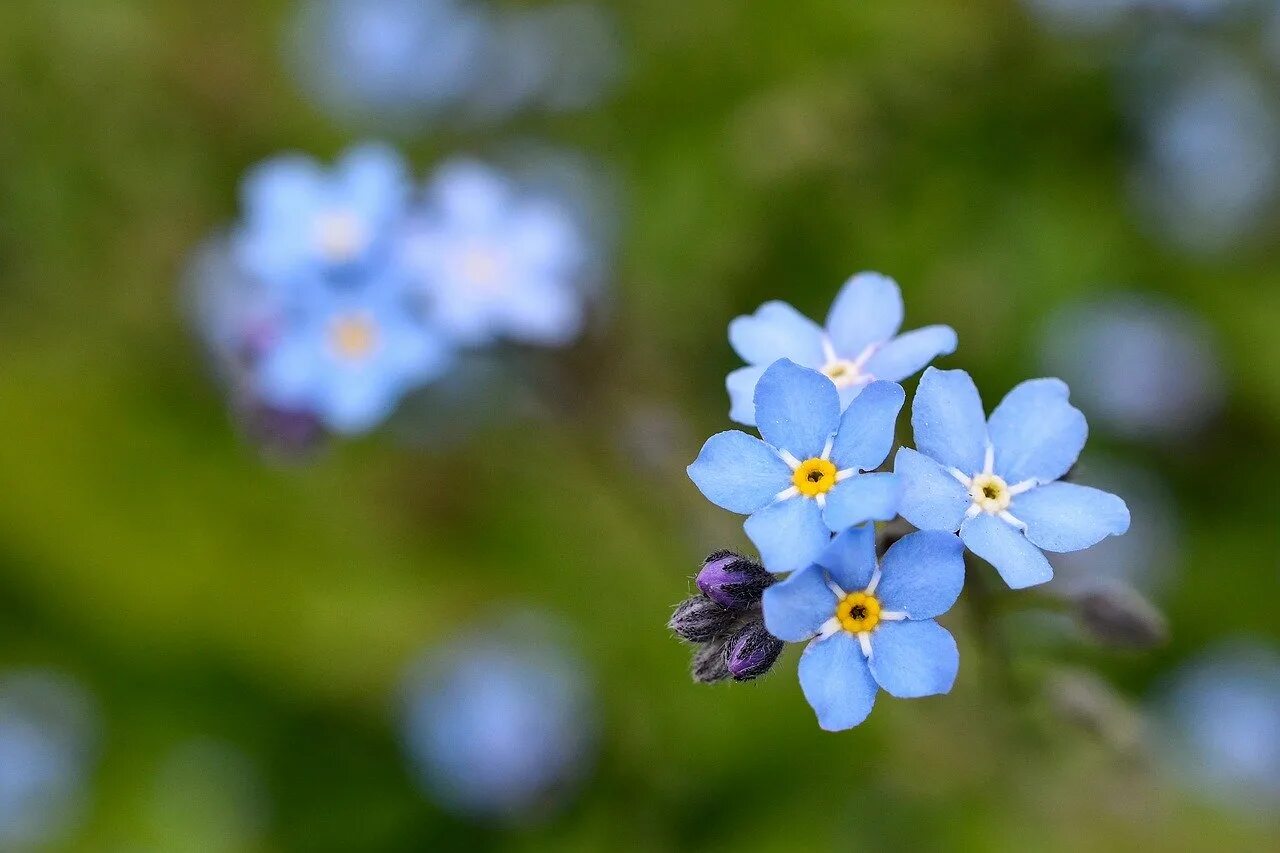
872, 626
301, 219
996, 480
349, 356
494, 262
859, 344
804, 480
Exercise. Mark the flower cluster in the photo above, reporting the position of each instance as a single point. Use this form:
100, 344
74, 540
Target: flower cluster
826, 405
342, 289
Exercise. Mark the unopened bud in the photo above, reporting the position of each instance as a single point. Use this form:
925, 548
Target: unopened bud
709, 665
733, 581
1118, 615
699, 619
1086, 701
751, 652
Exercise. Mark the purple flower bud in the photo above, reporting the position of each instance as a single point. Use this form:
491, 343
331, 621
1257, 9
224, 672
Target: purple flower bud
732, 580
708, 664
699, 619
1116, 614
751, 652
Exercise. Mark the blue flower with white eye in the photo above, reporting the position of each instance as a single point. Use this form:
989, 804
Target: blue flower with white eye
994, 480
496, 263
804, 481
872, 626
348, 356
859, 344
301, 219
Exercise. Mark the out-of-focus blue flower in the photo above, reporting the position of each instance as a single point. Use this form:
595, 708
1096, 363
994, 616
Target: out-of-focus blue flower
399, 60
500, 724
1222, 716
872, 626
46, 733
494, 263
1209, 167
301, 219
804, 481
859, 344
994, 480
348, 356
1142, 366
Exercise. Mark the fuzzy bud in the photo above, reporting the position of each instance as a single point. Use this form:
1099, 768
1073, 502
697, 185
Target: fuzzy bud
751, 652
732, 580
709, 665
1117, 615
699, 619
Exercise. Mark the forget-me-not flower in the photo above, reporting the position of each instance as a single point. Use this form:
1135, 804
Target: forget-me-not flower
495, 263
872, 626
994, 480
859, 344
803, 481
348, 356
301, 219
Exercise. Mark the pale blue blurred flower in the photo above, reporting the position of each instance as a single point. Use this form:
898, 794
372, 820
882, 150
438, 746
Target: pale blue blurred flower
46, 740
872, 626
401, 61
494, 262
804, 480
995, 480
1143, 366
301, 219
349, 355
501, 723
859, 344
1222, 724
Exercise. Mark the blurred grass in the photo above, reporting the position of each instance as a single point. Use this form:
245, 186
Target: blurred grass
766, 150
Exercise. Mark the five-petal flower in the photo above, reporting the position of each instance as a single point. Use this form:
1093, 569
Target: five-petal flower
872, 626
859, 344
804, 480
994, 480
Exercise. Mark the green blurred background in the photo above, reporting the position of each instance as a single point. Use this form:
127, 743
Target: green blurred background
764, 150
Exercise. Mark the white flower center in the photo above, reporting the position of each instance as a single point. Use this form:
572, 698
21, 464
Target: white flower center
990, 493
340, 235
845, 372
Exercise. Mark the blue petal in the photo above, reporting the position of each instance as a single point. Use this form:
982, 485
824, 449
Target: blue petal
739, 472
359, 401
1066, 517
375, 181
914, 659
850, 559
868, 310
862, 497
932, 499
922, 573
836, 682
742, 394
788, 534
947, 420
865, 436
795, 609
797, 409
911, 352
1037, 434
777, 331
283, 188
1019, 562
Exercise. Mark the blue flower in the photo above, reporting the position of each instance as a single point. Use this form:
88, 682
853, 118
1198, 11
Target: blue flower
994, 480
857, 346
348, 356
301, 219
872, 626
495, 263
803, 481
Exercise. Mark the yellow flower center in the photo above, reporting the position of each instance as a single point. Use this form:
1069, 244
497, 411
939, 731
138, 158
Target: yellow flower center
858, 612
842, 372
341, 236
990, 493
814, 477
353, 336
